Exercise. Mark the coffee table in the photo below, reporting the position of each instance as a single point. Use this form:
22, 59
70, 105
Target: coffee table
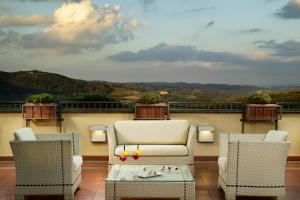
122, 183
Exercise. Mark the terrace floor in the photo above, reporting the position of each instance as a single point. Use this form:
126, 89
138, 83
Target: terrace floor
94, 174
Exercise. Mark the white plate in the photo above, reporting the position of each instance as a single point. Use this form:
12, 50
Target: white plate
146, 174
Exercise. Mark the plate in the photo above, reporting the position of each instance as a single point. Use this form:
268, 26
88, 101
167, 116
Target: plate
146, 174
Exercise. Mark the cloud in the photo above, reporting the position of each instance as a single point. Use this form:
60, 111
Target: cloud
33, 20
49, 0
196, 10
290, 11
147, 4
81, 26
6, 7
209, 24
184, 53
171, 53
253, 30
288, 48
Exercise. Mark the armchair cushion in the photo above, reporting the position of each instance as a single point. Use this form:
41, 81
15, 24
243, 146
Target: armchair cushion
24, 134
222, 162
155, 150
76, 167
276, 136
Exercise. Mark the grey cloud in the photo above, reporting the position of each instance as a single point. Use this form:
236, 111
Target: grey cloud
253, 30
209, 24
147, 4
196, 10
10, 39
171, 53
48, 0
13, 21
288, 48
290, 11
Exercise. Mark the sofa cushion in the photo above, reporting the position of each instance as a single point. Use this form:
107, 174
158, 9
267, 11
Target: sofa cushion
276, 136
154, 150
152, 132
76, 167
24, 134
222, 162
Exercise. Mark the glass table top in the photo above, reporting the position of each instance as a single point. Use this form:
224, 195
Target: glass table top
168, 173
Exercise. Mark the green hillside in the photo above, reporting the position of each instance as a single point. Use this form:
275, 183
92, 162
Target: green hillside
19, 85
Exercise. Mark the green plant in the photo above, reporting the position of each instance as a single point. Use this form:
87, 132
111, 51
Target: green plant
260, 98
41, 98
150, 98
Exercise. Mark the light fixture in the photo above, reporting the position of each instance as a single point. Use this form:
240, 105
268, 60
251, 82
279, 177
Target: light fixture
206, 133
98, 133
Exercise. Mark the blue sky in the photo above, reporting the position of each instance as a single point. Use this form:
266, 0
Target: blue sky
235, 42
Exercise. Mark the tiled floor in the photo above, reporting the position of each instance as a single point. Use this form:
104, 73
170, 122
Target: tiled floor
94, 173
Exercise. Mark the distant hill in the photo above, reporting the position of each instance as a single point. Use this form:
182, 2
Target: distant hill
18, 85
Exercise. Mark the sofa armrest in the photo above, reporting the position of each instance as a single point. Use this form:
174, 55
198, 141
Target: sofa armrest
74, 137
191, 140
112, 141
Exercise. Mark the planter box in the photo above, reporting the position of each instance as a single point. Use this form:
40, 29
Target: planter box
262, 112
39, 111
152, 111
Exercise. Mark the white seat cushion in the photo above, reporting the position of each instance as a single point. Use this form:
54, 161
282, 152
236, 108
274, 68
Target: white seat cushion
152, 132
222, 162
155, 150
24, 134
76, 167
276, 136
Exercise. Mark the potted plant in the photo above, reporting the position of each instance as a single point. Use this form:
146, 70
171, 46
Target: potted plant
259, 108
40, 106
150, 106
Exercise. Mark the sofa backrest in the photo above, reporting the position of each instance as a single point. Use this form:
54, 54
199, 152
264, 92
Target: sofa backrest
152, 132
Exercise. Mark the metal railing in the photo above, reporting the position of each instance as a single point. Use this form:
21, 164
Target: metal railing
69, 106
11, 106
174, 107
290, 107
206, 107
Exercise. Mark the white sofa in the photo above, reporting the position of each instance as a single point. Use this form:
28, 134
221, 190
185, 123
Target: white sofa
253, 164
46, 164
161, 142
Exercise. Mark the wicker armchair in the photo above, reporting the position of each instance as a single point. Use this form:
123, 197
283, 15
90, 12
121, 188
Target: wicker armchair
50, 165
250, 166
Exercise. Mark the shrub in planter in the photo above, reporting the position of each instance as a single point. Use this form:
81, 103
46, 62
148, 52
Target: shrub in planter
150, 106
258, 108
40, 106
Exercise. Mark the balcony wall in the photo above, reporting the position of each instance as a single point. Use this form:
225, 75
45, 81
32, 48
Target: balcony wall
79, 122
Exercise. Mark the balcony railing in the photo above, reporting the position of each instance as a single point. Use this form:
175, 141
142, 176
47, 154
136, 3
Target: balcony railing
204, 107
290, 107
68, 106
11, 106
175, 107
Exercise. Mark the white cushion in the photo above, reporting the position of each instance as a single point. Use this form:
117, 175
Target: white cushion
154, 150
152, 132
24, 134
222, 162
76, 167
276, 136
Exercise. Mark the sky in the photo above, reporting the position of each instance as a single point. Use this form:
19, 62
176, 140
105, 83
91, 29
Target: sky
253, 42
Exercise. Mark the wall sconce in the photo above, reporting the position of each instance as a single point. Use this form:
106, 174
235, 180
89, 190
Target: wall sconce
98, 133
206, 133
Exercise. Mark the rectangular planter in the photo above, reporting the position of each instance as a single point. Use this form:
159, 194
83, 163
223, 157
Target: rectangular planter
262, 112
39, 111
152, 111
